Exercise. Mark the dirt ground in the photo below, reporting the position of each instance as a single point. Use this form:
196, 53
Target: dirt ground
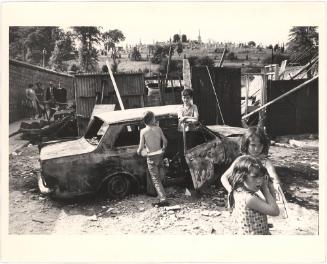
32, 213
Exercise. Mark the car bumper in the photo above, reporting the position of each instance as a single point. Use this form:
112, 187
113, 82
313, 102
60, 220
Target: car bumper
42, 187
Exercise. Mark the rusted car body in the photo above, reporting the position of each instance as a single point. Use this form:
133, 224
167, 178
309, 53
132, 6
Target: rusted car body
105, 157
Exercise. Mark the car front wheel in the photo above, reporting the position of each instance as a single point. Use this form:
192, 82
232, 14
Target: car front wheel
118, 186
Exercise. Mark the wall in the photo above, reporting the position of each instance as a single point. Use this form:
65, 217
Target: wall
22, 74
227, 84
297, 113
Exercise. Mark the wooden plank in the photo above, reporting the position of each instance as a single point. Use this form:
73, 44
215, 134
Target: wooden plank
187, 74
115, 86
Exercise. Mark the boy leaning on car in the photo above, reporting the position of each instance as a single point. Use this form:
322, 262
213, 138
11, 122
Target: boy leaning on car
151, 137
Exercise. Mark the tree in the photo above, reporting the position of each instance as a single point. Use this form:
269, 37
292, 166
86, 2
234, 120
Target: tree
276, 47
179, 48
303, 44
251, 43
111, 38
64, 50
161, 52
277, 58
184, 38
282, 49
42, 38
136, 55
87, 53
28, 43
176, 38
17, 37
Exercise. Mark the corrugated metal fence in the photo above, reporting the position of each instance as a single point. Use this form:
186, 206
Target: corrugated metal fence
296, 113
90, 88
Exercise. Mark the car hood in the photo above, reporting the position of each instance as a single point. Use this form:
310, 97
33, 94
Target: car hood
67, 148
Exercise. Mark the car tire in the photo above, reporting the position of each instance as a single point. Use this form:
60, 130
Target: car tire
118, 186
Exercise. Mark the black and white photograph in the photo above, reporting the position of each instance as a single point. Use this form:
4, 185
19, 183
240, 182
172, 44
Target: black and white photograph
154, 119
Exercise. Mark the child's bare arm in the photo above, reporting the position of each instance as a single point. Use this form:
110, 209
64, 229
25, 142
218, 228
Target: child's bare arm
268, 207
141, 145
164, 140
196, 113
273, 186
272, 172
224, 178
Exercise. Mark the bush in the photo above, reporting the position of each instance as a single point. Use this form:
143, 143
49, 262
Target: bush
146, 70
104, 68
231, 56
219, 50
74, 67
201, 61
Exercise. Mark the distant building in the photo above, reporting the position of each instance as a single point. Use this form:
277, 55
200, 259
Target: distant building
199, 38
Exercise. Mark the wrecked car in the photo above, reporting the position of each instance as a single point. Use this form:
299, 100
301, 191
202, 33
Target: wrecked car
105, 158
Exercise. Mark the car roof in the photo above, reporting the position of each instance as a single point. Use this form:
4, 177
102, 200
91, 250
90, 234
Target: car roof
134, 114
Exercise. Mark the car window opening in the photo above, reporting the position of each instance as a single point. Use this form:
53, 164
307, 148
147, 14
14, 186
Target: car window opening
197, 137
129, 135
95, 131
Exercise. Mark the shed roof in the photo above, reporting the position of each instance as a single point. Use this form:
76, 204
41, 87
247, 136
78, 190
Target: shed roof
137, 113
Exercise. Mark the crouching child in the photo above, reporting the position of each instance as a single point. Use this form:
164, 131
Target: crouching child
155, 143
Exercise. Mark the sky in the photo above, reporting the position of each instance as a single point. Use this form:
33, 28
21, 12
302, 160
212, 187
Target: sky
236, 22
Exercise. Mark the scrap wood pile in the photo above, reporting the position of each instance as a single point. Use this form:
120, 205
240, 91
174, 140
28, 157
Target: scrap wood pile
62, 125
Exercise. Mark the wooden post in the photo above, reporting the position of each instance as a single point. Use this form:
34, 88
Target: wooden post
276, 72
102, 91
187, 74
142, 93
222, 58
161, 99
184, 139
168, 64
246, 93
264, 87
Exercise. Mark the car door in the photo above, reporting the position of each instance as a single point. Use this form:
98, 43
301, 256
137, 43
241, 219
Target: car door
203, 151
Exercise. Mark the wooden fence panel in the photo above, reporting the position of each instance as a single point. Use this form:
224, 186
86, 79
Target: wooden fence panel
227, 83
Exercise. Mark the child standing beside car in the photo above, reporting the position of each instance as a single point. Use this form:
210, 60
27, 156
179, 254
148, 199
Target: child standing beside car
188, 116
151, 137
188, 111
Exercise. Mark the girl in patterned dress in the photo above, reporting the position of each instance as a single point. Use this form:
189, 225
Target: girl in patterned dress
256, 143
250, 210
